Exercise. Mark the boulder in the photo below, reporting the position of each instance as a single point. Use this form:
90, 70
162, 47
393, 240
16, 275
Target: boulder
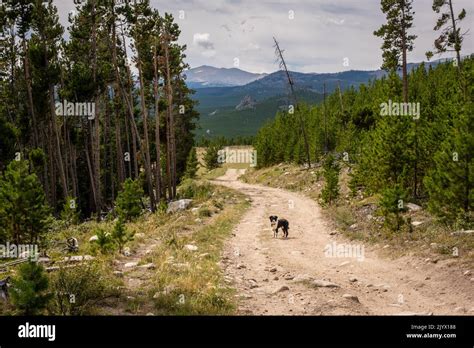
413, 207
191, 247
179, 205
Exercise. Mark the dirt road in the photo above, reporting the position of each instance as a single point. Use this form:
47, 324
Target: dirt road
302, 276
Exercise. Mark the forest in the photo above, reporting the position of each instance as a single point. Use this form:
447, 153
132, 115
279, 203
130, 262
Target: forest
49, 137
425, 158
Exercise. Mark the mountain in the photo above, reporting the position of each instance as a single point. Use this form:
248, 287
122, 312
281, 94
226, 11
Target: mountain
208, 76
221, 108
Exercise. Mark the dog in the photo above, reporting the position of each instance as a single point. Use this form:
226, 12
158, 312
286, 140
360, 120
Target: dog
279, 223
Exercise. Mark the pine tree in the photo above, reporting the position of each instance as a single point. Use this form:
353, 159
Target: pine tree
211, 157
29, 289
392, 203
24, 214
450, 183
397, 41
331, 170
69, 214
120, 234
192, 164
129, 200
450, 37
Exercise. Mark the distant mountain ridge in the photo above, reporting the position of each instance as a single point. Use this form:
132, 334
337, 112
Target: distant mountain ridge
209, 76
221, 108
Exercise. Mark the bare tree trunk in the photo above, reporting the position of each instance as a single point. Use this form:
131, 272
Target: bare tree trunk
456, 37
404, 59
95, 134
171, 147
30, 104
146, 146
157, 125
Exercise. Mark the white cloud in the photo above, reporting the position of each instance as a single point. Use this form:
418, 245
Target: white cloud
321, 35
203, 40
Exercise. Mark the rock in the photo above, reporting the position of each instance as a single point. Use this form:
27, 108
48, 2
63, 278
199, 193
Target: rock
78, 258
198, 220
246, 103
433, 245
281, 289
118, 274
147, 266
462, 232
353, 226
386, 246
194, 210
289, 277
369, 217
204, 255
413, 207
149, 314
302, 278
179, 205
241, 266
273, 270
156, 295
332, 233
130, 265
351, 297
416, 223
323, 284
44, 260
466, 273
353, 279
93, 238
191, 247
276, 278
126, 251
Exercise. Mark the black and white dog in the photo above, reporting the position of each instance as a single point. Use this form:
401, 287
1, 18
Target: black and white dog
277, 224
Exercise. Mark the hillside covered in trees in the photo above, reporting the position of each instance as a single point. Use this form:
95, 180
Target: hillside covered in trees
87, 112
424, 156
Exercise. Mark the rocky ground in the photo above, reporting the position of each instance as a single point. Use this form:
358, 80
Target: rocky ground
300, 276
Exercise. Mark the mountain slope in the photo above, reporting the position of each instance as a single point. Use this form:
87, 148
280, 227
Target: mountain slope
208, 76
217, 104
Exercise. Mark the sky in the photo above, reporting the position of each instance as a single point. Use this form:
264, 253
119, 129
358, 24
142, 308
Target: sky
317, 35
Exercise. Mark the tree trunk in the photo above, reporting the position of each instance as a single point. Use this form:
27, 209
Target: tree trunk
145, 135
157, 125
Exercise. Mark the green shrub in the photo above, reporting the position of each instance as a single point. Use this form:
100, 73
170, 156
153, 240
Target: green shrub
192, 189
128, 202
120, 234
192, 164
24, 213
392, 204
331, 169
29, 289
78, 290
105, 241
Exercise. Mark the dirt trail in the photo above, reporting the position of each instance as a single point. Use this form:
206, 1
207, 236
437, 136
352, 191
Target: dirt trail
276, 276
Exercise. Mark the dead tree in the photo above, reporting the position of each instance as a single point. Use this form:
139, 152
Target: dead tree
279, 54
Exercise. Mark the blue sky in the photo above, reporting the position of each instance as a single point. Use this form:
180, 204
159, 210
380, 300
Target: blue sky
317, 35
